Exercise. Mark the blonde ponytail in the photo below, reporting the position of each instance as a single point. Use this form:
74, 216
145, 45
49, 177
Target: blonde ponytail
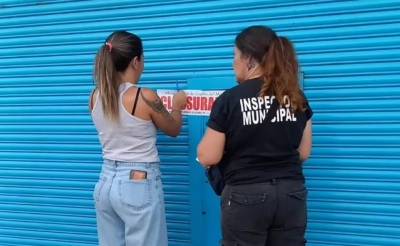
107, 78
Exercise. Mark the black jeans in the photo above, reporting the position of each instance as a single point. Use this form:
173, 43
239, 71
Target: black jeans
267, 214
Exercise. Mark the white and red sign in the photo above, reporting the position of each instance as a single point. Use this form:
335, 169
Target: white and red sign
198, 102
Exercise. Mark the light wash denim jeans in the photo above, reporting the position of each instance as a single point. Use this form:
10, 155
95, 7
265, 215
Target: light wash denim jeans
130, 212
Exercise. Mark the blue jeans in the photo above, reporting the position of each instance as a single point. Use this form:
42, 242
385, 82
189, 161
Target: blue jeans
130, 212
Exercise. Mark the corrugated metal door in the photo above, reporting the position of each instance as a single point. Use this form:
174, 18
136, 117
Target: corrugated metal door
50, 157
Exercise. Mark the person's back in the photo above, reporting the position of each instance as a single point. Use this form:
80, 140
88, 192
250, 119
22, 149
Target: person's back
128, 197
134, 139
259, 133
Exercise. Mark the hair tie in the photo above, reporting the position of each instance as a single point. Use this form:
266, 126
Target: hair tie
109, 46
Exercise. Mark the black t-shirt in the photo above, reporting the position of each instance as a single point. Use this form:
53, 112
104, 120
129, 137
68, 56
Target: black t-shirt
260, 145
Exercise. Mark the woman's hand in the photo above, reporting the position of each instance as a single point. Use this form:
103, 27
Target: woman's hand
179, 100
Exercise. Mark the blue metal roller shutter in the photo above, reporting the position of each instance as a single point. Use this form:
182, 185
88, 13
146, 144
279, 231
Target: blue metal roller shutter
49, 154
50, 157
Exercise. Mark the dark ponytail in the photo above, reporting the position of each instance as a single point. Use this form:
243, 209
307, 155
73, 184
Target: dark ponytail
280, 71
107, 79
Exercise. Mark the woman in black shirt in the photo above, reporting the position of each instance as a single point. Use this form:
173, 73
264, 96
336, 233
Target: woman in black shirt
261, 129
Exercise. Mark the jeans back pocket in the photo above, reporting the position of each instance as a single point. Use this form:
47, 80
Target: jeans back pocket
297, 208
135, 194
245, 211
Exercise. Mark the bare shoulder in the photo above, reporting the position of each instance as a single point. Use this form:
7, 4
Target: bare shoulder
93, 94
152, 100
92, 98
149, 94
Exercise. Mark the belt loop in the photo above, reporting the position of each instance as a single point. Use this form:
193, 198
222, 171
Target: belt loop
273, 181
147, 165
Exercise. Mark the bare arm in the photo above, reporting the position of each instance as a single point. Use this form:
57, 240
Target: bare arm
211, 148
306, 141
169, 123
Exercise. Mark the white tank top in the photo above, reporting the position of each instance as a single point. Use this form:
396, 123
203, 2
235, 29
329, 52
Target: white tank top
133, 140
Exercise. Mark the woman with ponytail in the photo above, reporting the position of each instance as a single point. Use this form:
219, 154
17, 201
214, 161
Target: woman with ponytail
262, 128
129, 197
